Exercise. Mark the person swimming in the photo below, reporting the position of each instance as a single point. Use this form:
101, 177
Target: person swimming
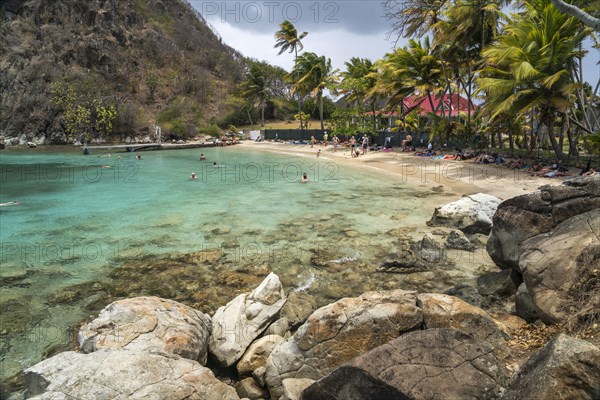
10, 203
193, 176
304, 178
202, 157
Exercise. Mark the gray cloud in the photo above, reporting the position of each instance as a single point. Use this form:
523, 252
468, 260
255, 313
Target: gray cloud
361, 17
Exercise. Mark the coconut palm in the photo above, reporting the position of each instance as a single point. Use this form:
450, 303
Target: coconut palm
287, 39
312, 74
414, 17
413, 69
258, 85
357, 82
530, 69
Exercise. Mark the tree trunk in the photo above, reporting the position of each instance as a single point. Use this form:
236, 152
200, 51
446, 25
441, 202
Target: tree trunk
578, 13
249, 116
557, 150
320, 95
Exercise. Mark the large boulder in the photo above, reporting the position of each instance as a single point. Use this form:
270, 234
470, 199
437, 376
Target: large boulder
338, 332
523, 217
123, 374
471, 214
565, 368
431, 364
243, 319
148, 324
257, 354
552, 263
443, 311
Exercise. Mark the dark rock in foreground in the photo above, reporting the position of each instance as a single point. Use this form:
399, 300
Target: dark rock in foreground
566, 368
523, 217
432, 364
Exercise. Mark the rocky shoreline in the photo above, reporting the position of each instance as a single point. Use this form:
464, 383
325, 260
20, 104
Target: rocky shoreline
383, 344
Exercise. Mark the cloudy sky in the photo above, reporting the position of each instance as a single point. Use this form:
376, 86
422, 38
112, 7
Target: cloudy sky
337, 29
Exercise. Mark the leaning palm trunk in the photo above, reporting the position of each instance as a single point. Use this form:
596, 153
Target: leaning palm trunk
320, 96
553, 142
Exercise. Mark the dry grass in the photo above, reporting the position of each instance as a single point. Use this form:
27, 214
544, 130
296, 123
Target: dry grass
584, 307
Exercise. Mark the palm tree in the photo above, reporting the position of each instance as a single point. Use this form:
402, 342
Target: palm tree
357, 82
415, 17
413, 69
257, 85
312, 74
530, 69
287, 39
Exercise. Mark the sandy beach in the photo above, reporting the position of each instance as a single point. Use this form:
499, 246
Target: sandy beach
458, 177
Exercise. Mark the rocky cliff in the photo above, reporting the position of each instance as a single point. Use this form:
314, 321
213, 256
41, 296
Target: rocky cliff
109, 68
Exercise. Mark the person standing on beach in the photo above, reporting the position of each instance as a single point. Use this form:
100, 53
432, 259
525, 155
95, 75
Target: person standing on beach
312, 141
365, 144
352, 145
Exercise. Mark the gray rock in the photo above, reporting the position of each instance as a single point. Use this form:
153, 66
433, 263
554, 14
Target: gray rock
279, 327
466, 293
124, 374
298, 308
524, 304
257, 354
552, 263
457, 240
148, 324
470, 214
338, 332
564, 368
292, 388
432, 250
500, 283
431, 364
524, 217
442, 311
248, 388
259, 375
243, 319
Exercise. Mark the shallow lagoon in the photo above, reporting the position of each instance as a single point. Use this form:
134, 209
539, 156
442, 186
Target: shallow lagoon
94, 228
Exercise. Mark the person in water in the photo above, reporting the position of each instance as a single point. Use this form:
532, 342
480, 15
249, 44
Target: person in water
193, 176
304, 178
202, 157
11, 203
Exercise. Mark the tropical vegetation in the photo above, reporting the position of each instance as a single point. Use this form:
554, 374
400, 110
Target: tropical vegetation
520, 74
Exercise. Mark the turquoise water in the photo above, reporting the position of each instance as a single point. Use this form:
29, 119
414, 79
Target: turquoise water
81, 223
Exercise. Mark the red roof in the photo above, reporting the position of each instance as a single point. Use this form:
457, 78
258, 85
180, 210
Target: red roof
453, 104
